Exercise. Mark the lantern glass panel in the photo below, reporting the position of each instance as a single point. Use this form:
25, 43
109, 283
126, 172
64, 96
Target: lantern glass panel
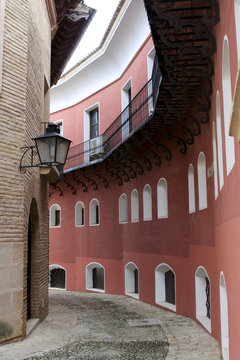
62, 150
46, 149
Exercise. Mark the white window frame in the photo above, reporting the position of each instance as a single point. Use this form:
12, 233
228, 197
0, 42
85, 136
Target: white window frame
86, 129
162, 199
200, 297
124, 104
91, 223
191, 190
89, 276
160, 290
134, 206
147, 203
215, 164
227, 104
224, 317
56, 266
53, 208
130, 280
202, 181
219, 140
123, 209
79, 203
60, 124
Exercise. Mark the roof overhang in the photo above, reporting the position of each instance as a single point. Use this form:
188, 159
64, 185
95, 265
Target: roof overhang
69, 20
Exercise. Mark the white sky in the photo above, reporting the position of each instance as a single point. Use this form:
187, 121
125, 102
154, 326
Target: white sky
96, 29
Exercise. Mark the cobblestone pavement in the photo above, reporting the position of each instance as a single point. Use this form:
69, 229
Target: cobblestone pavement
110, 327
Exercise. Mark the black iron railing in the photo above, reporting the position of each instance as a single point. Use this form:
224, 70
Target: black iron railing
131, 119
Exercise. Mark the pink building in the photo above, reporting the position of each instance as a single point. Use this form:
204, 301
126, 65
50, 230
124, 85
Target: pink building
148, 204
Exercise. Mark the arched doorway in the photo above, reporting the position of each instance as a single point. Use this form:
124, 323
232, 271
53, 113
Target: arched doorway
95, 277
33, 270
132, 280
57, 277
165, 286
224, 317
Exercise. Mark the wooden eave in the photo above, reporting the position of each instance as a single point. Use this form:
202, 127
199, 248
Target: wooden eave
70, 29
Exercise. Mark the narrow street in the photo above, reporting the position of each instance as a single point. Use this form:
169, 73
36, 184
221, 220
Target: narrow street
97, 326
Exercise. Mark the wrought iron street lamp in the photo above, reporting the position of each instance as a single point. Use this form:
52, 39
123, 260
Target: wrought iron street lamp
51, 149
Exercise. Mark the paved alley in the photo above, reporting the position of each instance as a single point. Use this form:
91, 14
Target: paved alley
96, 326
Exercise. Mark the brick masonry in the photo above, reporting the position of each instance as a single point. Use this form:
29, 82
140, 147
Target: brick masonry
25, 70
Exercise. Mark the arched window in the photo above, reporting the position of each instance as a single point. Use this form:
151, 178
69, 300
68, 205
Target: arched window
123, 209
202, 182
95, 277
227, 105
147, 203
79, 214
162, 199
94, 210
224, 317
55, 216
57, 277
134, 206
131, 280
215, 167
203, 297
191, 190
237, 21
219, 140
165, 287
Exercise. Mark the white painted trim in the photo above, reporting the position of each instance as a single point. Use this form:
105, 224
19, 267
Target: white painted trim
130, 267
83, 207
162, 198
56, 266
200, 297
237, 22
160, 295
90, 217
219, 140
202, 181
215, 165
191, 190
57, 207
147, 212
227, 104
132, 206
224, 317
87, 111
57, 122
89, 278
123, 209
124, 104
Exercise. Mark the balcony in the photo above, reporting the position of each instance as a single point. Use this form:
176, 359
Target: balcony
139, 111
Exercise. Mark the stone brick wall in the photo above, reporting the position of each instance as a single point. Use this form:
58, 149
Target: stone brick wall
26, 63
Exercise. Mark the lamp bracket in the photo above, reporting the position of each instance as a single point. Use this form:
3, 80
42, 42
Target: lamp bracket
30, 151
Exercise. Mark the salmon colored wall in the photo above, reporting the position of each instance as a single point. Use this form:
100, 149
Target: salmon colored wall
73, 117
208, 238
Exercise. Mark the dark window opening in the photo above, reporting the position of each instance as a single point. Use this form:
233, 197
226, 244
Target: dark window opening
129, 93
82, 219
57, 217
98, 278
57, 278
97, 214
94, 120
208, 297
170, 287
136, 281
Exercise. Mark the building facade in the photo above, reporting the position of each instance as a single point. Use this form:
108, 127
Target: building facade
148, 205
27, 31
